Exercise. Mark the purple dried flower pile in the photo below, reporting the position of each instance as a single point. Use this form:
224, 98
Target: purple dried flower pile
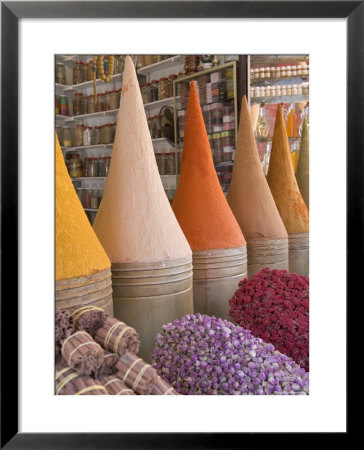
199, 354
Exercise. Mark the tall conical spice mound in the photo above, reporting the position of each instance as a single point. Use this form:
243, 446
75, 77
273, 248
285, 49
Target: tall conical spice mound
218, 245
253, 205
302, 175
83, 274
287, 196
151, 260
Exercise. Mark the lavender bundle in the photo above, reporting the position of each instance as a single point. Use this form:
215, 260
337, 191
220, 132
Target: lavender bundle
115, 386
82, 353
205, 355
63, 328
117, 337
68, 382
89, 319
136, 373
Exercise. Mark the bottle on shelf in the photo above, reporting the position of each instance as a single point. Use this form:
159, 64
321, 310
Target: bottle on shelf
291, 122
304, 116
262, 128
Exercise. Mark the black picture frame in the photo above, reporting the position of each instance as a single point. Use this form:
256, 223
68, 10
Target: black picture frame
11, 12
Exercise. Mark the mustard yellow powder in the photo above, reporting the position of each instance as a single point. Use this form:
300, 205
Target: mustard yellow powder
78, 251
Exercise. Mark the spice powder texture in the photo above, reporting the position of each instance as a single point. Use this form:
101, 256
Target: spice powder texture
78, 251
282, 181
199, 203
249, 195
135, 222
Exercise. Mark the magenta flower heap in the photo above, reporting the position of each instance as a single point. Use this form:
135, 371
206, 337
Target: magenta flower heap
273, 304
199, 354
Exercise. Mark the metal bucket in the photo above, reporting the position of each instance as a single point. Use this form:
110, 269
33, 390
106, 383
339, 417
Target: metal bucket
272, 253
148, 295
216, 276
92, 290
299, 253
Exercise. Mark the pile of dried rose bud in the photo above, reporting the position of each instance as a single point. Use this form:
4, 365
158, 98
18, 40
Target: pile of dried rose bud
273, 304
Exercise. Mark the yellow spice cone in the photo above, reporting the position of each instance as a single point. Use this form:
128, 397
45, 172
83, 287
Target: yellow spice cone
282, 181
83, 275
302, 175
135, 222
151, 260
78, 251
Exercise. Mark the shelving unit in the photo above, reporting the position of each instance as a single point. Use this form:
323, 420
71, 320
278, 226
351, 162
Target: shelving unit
277, 64
161, 65
223, 168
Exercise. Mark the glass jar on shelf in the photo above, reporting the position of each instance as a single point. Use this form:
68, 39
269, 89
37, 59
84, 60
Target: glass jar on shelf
107, 101
75, 166
146, 93
87, 198
99, 103
273, 91
113, 100
77, 73
261, 73
95, 135
91, 168
267, 72
78, 135
262, 128
86, 136
163, 88
294, 89
67, 137
84, 71
148, 60
170, 164
107, 133
289, 89
60, 73
57, 109
283, 90
252, 73
294, 71
277, 72
278, 91
94, 203
102, 134
99, 166
154, 90
157, 127
78, 104
171, 78
63, 105
299, 89
283, 72
85, 168
107, 165
91, 105
288, 71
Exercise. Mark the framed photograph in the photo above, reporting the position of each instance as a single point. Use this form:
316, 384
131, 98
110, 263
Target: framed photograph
33, 36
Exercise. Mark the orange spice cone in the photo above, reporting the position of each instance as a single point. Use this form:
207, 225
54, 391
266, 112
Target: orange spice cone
218, 245
150, 256
287, 196
83, 273
302, 175
253, 205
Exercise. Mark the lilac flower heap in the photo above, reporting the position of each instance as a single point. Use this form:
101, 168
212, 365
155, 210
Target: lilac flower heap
199, 354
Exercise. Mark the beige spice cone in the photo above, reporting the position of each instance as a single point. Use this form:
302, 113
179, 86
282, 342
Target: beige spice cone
282, 181
135, 222
249, 195
302, 175
78, 250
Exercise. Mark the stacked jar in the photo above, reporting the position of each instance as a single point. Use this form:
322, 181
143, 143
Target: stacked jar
60, 73
191, 63
163, 88
75, 166
217, 116
67, 137
78, 104
63, 105
146, 92
78, 135
77, 73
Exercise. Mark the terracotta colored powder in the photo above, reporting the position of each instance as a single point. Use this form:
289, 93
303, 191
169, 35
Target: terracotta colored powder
135, 222
249, 195
199, 203
282, 181
302, 175
78, 251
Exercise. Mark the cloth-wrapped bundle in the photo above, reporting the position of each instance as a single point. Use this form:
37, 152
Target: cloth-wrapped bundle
68, 382
117, 337
115, 386
89, 319
161, 387
136, 373
82, 353
63, 328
